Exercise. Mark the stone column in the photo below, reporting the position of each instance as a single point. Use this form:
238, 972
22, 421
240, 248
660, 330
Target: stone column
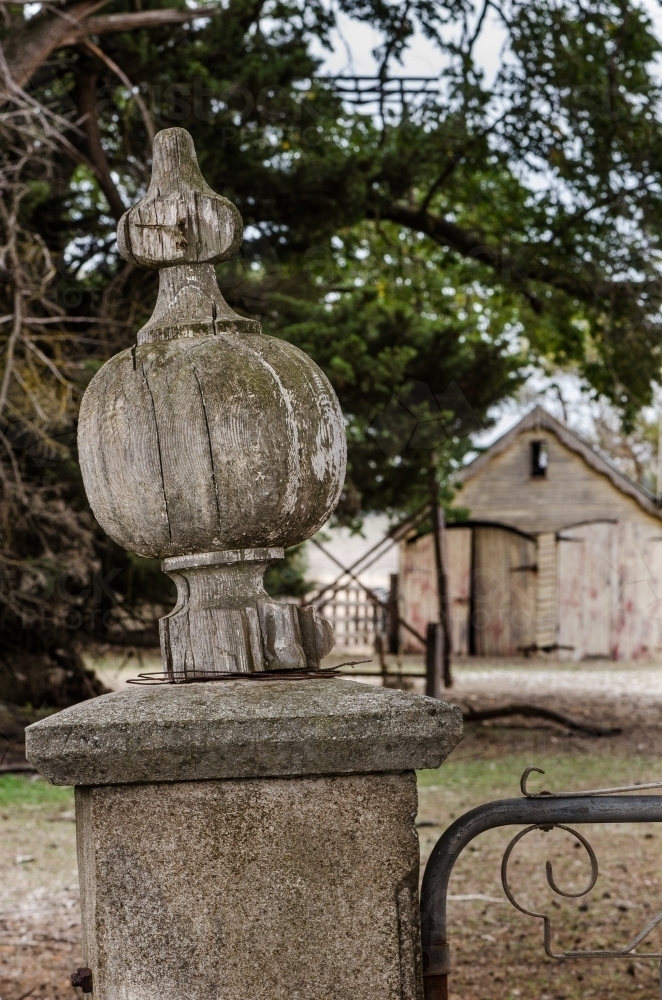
246, 830
244, 840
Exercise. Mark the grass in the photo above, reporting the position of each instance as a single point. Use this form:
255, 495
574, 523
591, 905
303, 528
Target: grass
20, 790
497, 951
492, 779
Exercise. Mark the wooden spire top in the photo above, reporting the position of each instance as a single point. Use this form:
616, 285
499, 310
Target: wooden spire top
180, 220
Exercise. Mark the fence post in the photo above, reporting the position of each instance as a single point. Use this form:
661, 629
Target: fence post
393, 616
434, 660
439, 538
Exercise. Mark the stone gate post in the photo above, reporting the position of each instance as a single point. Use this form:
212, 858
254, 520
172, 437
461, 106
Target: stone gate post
251, 838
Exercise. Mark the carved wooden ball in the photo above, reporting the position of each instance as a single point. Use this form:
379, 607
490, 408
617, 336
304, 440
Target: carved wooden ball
207, 443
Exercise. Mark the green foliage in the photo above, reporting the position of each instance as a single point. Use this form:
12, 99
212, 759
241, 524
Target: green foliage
377, 308
541, 191
579, 110
287, 577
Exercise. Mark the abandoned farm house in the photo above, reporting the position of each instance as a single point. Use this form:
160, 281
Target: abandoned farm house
561, 553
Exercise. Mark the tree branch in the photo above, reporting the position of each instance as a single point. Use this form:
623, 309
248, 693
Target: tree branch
521, 268
121, 75
87, 96
535, 712
456, 158
133, 21
514, 269
479, 27
11, 346
31, 46
393, 41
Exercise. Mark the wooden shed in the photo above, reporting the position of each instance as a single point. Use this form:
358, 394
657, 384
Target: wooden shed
561, 553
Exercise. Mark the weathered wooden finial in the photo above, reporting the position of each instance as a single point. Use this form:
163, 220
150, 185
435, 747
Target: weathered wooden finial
180, 220
209, 445
183, 228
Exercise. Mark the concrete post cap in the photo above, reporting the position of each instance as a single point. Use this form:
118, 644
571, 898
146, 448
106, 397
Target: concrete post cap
242, 729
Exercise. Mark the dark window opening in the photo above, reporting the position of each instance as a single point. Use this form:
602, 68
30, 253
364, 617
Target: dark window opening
539, 458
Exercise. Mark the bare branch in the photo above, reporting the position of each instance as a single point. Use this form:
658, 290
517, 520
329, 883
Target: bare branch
15, 469
121, 75
11, 346
31, 396
56, 27
41, 320
133, 21
87, 96
28, 48
47, 361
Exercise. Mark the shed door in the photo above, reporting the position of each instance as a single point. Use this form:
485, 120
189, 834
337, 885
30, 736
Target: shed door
637, 619
587, 587
458, 550
504, 592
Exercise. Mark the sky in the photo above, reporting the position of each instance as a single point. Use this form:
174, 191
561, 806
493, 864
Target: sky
354, 43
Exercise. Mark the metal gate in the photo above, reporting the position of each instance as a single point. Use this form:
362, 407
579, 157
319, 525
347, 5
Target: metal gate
545, 811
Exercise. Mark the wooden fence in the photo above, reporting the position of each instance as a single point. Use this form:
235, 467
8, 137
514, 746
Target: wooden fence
356, 619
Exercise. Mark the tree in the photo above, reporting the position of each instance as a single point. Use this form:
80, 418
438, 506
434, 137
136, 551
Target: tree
46, 531
450, 245
400, 322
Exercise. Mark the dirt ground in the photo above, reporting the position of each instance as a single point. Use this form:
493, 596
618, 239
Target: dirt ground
497, 951
39, 905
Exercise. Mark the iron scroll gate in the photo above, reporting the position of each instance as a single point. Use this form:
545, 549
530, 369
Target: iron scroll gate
543, 811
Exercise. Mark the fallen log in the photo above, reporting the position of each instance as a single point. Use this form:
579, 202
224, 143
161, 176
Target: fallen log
536, 712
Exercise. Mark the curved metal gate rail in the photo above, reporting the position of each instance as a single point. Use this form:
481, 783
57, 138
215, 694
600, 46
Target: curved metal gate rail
537, 812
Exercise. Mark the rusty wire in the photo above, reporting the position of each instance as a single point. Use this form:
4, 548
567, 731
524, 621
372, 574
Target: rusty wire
163, 677
581, 794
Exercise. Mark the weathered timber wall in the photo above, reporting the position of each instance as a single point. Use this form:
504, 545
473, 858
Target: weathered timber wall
417, 590
505, 492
